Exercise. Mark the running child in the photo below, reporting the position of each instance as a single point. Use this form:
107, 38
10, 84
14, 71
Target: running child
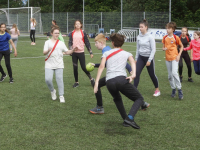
170, 43
117, 80
32, 30
53, 49
78, 38
146, 48
185, 39
14, 36
195, 51
5, 38
100, 43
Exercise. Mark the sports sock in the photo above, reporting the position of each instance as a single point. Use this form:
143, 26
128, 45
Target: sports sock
130, 117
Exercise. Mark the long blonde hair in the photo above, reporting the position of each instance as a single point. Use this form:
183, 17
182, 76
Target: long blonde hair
34, 21
15, 26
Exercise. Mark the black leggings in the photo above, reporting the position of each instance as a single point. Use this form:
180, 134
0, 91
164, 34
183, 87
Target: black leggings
6, 55
32, 33
141, 62
121, 84
81, 58
186, 57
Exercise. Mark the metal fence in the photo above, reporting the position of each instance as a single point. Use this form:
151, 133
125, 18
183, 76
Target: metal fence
93, 20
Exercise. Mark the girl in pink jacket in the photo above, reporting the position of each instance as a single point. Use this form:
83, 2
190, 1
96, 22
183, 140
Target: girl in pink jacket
195, 53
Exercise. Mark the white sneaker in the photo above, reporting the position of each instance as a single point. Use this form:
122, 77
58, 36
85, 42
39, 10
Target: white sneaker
157, 93
62, 99
53, 95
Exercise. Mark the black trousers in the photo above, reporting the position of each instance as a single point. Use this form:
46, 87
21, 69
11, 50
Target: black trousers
141, 62
6, 55
121, 84
186, 57
32, 35
102, 82
81, 58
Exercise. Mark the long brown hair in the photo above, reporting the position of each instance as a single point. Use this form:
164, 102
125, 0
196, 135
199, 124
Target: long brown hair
145, 23
5, 26
15, 26
80, 23
34, 21
186, 30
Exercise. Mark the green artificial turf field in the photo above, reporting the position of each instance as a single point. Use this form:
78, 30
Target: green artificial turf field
31, 120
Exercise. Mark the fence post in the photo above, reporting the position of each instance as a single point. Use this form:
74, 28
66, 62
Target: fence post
144, 14
67, 22
101, 19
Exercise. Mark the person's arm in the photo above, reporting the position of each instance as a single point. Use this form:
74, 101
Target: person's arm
188, 48
128, 67
137, 51
18, 32
13, 45
87, 44
70, 43
133, 66
191, 55
153, 50
71, 51
47, 51
100, 70
180, 52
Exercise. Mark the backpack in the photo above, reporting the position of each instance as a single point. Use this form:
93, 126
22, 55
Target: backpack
178, 33
81, 33
166, 36
186, 38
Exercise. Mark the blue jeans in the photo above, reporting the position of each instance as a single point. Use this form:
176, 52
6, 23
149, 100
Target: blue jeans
196, 66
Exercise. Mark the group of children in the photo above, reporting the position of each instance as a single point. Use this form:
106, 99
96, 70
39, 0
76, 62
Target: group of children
115, 61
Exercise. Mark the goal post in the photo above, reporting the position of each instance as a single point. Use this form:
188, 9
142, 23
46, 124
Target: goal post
21, 16
130, 34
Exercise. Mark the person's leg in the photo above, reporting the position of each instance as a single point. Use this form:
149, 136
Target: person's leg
81, 57
196, 64
1, 69
31, 33
151, 71
15, 42
112, 88
139, 66
34, 36
175, 74
49, 78
75, 66
99, 108
7, 62
187, 60
59, 80
180, 70
170, 76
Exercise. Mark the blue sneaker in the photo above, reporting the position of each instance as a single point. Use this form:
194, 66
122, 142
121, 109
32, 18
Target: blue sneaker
173, 93
97, 110
180, 94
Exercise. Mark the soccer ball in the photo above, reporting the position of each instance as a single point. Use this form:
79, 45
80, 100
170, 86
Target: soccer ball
89, 67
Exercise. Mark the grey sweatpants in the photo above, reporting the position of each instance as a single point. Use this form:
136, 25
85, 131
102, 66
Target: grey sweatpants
172, 68
59, 79
15, 42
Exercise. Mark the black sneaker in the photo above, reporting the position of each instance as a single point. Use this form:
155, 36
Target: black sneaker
3, 77
145, 106
190, 80
173, 93
180, 94
125, 124
181, 78
92, 82
75, 85
11, 80
131, 123
97, 110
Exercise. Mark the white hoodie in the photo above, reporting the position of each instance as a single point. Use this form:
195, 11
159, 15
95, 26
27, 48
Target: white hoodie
145, 46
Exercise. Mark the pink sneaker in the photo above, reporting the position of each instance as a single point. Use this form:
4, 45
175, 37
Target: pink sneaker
157, 93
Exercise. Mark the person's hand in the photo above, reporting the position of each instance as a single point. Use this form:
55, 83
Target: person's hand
92, 64
15, 54
75, 49
91, 55
191, 58
136, 61
148, 63
164, 49
178, 58
95, 87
